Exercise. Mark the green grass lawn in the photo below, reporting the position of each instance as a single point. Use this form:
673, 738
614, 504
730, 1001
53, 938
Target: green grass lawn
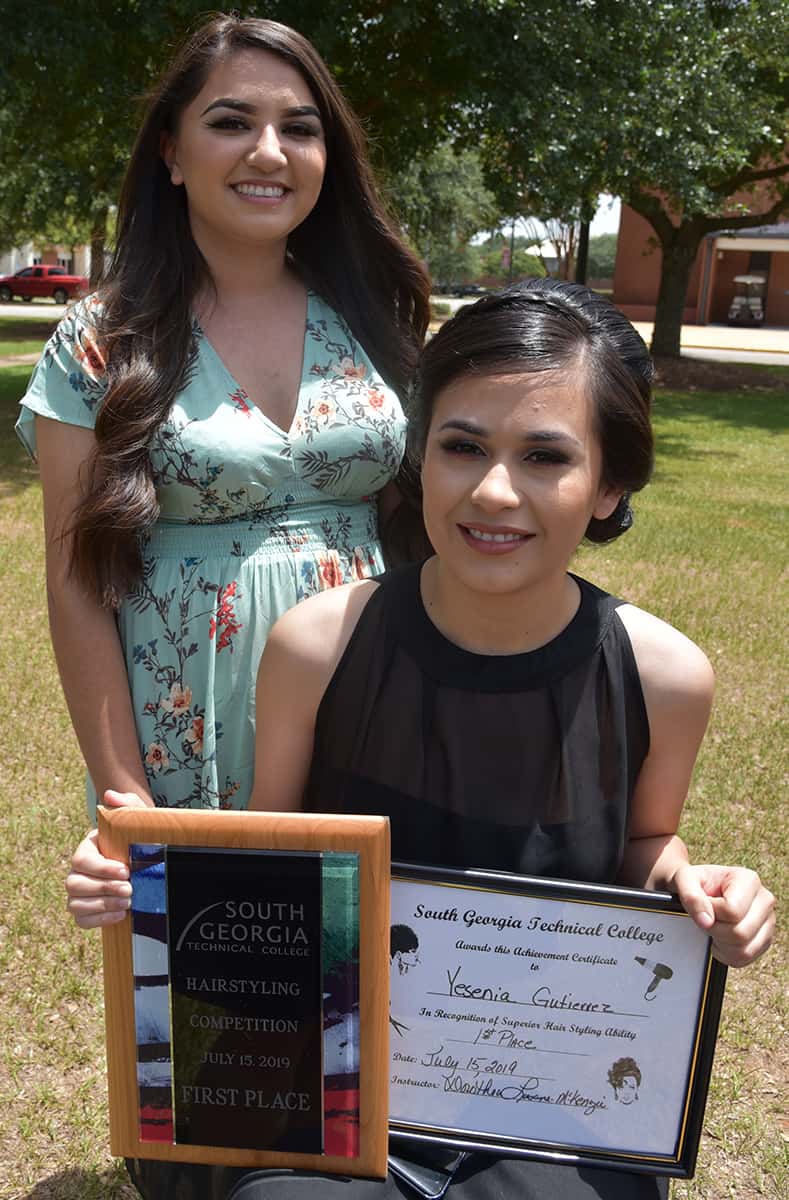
23, 335
707, 553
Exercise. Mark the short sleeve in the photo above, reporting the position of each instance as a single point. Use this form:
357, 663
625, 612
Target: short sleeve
69, 381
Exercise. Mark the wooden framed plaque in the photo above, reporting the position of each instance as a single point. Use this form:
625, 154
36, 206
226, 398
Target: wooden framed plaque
551, 1020
247, 996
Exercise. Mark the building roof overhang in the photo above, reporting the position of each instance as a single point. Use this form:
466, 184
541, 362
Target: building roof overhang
761, 237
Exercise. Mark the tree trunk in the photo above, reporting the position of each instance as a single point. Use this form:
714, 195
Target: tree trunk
98, 236
582, 261
678, 257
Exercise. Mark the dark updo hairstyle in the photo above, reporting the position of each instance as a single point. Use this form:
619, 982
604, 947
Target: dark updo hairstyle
548, 325
402, 940
346, 249
621, 1069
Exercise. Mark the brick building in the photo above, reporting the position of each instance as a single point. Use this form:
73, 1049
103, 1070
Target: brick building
763, 251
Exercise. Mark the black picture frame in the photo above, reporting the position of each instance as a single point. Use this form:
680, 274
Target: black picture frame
702, 1023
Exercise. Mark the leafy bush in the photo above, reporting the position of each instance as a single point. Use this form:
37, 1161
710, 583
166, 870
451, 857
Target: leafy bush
602, 256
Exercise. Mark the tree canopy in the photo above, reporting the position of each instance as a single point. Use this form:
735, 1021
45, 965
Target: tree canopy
675, 105
71, 76
441, 200
506, 259
602, 256
711, 121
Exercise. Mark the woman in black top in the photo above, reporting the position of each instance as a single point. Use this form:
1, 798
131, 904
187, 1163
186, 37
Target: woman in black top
503, 713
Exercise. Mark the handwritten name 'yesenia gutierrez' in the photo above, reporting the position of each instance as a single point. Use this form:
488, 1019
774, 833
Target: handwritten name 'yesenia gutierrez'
473, 919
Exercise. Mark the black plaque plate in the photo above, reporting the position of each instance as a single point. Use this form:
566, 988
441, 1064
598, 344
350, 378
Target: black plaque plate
247, 1007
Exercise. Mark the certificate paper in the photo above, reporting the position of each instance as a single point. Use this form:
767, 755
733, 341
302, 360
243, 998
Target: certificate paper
549, 1019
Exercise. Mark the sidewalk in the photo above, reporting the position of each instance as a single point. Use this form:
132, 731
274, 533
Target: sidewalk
728, 338
720, 342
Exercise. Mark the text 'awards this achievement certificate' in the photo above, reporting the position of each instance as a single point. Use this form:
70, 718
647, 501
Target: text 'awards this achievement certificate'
549, 1019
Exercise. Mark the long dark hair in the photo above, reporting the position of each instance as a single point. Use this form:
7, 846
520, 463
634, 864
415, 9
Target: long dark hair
346, 249
546, 325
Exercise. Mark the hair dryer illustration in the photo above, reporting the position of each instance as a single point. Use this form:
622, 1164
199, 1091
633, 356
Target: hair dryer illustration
659, 971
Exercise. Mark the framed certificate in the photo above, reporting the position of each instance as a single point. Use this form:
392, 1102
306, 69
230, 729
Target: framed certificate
553, 1020
247, 997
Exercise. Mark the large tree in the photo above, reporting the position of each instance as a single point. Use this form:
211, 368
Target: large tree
676, 105
505, 258
441, 200
707, 143
28, 212
602, 255
71, 76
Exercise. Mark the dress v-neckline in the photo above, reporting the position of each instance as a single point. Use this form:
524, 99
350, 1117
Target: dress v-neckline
255, 408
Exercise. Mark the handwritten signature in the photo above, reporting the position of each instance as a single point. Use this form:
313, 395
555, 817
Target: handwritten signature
525, 1091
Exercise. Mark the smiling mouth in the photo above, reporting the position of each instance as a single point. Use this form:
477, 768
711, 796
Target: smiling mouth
508, 537
268, 191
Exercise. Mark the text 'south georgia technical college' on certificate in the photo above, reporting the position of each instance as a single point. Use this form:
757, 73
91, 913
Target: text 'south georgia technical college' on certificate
549, 1019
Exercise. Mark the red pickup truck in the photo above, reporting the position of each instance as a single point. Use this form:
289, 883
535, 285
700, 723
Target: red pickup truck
37, 282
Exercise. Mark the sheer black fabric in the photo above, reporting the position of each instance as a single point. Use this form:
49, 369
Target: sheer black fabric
479, 1179
522, 762
504, 1179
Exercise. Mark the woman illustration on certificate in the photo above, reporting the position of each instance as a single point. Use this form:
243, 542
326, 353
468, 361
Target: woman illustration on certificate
625, 1079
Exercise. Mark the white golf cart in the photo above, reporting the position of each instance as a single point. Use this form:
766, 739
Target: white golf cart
746, 307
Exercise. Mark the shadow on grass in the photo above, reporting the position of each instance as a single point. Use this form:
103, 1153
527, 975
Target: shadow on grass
669, 447
674, 447
112, 1184
739, 410
17, 472
25, 329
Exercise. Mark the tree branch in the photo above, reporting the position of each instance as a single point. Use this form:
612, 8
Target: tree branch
729, 186
748, 220
651, 209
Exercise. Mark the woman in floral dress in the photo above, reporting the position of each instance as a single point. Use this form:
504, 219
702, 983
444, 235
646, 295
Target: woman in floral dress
216, 425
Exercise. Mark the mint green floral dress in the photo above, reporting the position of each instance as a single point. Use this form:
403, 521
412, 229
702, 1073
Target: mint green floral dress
253, 519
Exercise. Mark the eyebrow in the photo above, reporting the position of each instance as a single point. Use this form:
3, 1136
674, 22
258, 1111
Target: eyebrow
301, 110
536, 435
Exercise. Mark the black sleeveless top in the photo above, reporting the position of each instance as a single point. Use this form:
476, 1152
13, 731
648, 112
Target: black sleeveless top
523, 762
